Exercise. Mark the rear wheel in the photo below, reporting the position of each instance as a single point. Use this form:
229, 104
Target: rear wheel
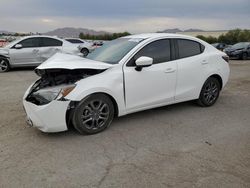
4, 65
85, 52
94, 114
209, 92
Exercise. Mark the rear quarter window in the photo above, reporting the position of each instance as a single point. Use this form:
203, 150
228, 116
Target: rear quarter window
188, 48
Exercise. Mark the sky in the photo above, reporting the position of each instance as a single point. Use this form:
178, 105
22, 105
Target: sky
134, 16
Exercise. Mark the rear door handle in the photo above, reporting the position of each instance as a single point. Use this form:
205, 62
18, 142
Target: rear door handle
169, 70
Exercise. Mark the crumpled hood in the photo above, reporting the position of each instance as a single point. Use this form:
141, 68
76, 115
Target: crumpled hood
71, 62
4, 51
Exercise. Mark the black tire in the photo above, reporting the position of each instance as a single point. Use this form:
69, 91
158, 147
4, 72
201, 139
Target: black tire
209, 92
4, 65
93, 114
85, 52
244, 56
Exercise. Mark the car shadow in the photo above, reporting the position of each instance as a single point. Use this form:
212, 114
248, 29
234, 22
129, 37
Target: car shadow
122, 122
22, 69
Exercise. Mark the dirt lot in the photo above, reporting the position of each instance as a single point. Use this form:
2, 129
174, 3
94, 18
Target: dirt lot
181, 145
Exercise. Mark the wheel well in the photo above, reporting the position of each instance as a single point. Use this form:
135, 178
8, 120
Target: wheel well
73, 104
1, 56
113, 101
216, 76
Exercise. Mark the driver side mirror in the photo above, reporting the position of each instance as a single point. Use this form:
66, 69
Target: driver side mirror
143, 61
18, 46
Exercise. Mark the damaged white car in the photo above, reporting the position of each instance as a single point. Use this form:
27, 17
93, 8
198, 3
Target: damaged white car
126, 75
32, 51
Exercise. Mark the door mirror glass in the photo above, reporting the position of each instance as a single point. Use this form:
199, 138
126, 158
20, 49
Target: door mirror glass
143, 61
18, 46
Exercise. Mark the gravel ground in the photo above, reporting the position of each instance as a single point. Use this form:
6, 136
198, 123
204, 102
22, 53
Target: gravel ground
180, 145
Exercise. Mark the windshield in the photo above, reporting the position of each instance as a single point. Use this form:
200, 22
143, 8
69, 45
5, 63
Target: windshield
240, 45
112, 52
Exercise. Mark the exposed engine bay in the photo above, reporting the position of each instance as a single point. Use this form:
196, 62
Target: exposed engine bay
54, 77
44, 90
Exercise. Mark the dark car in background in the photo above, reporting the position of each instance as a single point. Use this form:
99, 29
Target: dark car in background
240, 50
220, 46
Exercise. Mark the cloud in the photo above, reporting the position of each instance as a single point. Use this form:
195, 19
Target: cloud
131, 15
44, 20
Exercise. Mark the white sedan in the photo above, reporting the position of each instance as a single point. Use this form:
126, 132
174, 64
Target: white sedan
126, 75
84, 46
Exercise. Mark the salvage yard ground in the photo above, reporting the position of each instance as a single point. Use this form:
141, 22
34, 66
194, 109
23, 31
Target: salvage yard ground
180, 145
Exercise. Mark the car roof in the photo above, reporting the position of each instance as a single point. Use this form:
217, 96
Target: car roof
157, 35
31, 36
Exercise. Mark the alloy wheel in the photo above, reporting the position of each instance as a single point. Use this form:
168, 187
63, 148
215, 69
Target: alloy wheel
95, 114
3, 65
211, 92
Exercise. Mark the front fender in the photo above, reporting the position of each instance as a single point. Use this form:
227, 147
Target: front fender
4, 53
108, 82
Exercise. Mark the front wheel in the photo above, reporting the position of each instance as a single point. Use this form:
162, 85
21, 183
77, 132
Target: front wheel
4, 65
94, 114
209, 92
244, 56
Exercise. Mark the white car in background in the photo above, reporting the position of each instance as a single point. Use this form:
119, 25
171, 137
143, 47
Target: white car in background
84, 46
32, 51
126, 75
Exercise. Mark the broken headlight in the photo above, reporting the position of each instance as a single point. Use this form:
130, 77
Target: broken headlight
46, 95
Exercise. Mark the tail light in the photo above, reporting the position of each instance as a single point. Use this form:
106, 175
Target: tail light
226, 58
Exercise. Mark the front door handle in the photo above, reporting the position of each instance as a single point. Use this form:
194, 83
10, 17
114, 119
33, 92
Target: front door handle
169, 70
35, 51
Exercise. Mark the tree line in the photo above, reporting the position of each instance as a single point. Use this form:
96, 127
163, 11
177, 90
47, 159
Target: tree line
18, 34
106, 36
231, 37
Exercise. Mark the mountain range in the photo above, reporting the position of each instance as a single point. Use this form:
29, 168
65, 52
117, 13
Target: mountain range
73, 32
6, 32
177, 30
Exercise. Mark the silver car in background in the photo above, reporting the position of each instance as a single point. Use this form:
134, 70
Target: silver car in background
32, 51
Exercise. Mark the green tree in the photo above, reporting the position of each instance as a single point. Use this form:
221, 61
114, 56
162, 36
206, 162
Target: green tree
231, 37
208, 39
105, 36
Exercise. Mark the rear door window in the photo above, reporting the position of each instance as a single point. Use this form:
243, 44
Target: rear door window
75, 41
50, 42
